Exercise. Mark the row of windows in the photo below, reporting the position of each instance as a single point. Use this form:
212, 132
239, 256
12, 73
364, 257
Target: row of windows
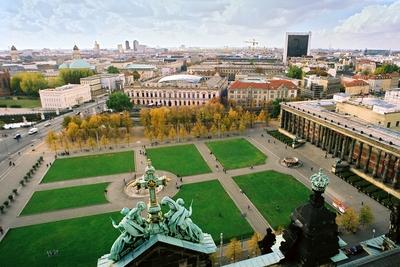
173, 95
167, 102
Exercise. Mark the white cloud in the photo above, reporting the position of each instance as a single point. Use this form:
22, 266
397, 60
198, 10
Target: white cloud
60, 23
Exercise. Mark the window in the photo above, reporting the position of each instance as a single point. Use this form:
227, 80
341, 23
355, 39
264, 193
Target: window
388, 124
397, 123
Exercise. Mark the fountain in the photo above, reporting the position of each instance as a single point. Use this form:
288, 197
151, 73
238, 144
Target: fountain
291, 162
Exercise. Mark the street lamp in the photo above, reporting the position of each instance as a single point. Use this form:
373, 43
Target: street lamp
221, 235
373, 233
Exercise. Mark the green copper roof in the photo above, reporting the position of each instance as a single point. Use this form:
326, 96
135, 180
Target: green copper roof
319, 181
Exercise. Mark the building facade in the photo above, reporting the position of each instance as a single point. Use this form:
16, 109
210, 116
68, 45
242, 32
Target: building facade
255, 94
65, 96
177, 90
101, 84
372, 152
356, 87
320, 86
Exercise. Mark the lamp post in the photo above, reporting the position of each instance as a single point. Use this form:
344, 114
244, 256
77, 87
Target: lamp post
221, 253
373, 233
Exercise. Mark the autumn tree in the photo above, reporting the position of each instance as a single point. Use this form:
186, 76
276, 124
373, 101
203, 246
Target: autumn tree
252, 245
51, 140
366, 217
234, 250
348, 221
172, 133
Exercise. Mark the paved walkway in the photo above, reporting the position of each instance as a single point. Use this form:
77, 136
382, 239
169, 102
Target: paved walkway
310, 155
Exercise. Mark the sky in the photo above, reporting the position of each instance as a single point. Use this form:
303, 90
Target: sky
354, 24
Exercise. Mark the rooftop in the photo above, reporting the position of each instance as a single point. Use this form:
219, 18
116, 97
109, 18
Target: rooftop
267, 85
182, 78
348, 122
140, 67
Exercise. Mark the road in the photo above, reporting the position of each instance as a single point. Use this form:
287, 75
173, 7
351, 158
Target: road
9, 147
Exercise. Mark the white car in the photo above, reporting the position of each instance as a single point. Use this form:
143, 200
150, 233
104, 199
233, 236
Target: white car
33, 130
47, 124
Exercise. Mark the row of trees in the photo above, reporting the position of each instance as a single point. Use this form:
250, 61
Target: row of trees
29, 83
91, 132
197, 121
350, 221
387, 68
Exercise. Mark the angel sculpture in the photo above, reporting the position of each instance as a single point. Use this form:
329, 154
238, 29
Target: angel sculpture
133, 229
178, 220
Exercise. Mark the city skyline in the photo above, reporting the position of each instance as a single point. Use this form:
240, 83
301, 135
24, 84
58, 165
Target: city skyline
334, 24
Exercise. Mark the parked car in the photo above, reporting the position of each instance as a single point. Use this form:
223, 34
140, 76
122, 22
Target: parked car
33, 131
47, 124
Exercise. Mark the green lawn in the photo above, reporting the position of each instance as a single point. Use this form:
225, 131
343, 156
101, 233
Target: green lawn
89, 166
24, 103
64, 198
214, 211
182, 160
270, 189
236, 153
79, 241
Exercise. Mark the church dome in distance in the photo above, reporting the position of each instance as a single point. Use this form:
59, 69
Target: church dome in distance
79, 64
13, 48
75, 48
63, 66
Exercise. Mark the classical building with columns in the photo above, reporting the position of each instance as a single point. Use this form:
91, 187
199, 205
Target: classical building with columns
372, 151
177, 90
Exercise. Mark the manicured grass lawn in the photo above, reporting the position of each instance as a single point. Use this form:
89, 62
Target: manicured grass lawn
236, 153
89, 166
214, 211
183, 160
24, 103
64, 198
79, 241
270, 189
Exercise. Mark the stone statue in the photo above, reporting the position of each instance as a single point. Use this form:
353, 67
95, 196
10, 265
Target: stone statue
133, 229
178, 220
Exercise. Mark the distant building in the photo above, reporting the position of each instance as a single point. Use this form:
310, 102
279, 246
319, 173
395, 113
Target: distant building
120, 48
256, 93
380, 82
393, 96
64, 97
297, 44
365, 65
135, 45
96, 48
14, 54
127, 46
5, 83
177, 90
356, 87
77, 64
76, 53
101, 84
320, 86
146, 71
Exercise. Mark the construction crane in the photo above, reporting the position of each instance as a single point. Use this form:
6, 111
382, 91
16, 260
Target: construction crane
253, 43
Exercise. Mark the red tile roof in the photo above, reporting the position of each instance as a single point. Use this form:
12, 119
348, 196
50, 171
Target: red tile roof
269, 85
355, 83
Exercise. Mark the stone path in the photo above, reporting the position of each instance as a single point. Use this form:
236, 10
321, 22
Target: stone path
310, 155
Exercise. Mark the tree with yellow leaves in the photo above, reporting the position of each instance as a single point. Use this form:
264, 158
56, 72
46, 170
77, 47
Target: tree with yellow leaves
91, 142
348, 221
51, 140
182, 132
104, 141
252, 245
172, 133
234, 250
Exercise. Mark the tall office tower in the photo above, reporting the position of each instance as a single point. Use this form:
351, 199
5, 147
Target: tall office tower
127, 46
135, 45
76, 54
120, 48
96, 48
297, 44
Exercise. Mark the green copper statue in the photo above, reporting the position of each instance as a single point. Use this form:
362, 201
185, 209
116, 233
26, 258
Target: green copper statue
178, 220
133, 229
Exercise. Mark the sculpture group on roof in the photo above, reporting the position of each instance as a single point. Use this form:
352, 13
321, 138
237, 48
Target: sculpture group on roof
135, 229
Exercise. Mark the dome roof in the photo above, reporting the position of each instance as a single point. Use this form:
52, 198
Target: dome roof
75, 48
182, 78
79, 64
13, 48
63, 66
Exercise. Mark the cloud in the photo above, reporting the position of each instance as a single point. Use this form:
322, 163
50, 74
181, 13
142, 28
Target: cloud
60, 23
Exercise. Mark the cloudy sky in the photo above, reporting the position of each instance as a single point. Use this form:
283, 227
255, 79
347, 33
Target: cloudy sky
208, 23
